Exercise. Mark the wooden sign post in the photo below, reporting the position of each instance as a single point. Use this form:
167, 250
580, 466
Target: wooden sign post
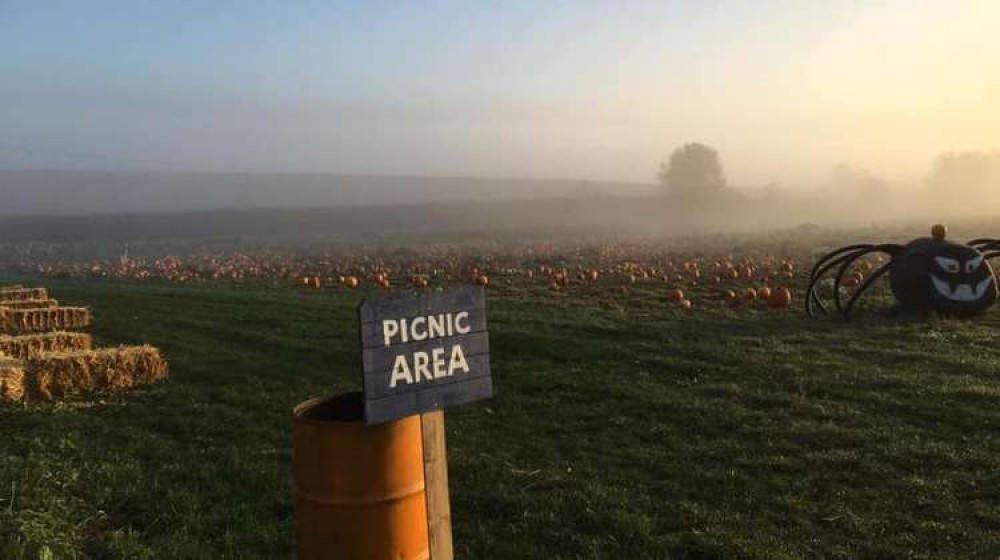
422, 353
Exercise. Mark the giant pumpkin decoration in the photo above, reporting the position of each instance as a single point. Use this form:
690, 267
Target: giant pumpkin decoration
926, 274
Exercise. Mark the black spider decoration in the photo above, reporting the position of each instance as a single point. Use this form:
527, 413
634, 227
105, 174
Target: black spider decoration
926, 274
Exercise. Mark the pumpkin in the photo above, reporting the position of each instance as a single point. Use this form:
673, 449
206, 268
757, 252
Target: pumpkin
855, 280
939, 232
483, 280
764, 293
780, 298
676, 295
750, 294
352, 282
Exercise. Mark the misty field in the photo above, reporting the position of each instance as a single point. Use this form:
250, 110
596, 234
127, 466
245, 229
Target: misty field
623, 427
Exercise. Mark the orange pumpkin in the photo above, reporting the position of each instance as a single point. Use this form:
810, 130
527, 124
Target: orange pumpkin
483, 280
939, 232
676, 295
854, 280
352, 282
780, 298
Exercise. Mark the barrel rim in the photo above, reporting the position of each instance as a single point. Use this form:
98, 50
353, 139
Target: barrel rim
301, 410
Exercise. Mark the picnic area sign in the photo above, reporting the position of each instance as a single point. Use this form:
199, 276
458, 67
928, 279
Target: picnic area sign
424, 352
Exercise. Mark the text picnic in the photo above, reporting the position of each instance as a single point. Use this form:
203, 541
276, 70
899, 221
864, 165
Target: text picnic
426, 365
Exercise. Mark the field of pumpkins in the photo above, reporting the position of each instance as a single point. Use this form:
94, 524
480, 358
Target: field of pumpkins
687, 276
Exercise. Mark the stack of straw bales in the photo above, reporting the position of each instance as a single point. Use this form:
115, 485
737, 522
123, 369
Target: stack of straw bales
43, 319
58, 374
31, 304
24, 347
11, 379
39, 360
20, 293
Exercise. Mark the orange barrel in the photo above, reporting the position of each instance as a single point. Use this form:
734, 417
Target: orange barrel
359, 488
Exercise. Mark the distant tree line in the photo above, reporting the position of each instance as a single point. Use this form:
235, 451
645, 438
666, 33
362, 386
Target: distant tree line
695, 171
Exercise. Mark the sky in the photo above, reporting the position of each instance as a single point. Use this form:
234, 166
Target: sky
599, 91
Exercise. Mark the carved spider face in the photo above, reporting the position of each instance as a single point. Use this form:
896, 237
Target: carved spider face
947, 277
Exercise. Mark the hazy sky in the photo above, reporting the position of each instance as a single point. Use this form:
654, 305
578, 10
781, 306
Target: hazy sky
581, 90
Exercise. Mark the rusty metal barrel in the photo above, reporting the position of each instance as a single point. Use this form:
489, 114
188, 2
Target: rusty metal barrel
359, 488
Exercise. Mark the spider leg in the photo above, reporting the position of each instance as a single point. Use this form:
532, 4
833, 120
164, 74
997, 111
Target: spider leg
820, 267
841, 251
843, 270
983, 241
812, 298
845, 261
879, 272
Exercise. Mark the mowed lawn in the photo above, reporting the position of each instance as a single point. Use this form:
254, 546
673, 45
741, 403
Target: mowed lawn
623, 428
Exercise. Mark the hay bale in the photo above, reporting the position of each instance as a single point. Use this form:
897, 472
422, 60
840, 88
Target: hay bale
57, 374
28, 346
23, 294
11, 380
32, 304
41, 320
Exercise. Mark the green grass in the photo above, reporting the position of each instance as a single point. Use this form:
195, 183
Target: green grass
622, 428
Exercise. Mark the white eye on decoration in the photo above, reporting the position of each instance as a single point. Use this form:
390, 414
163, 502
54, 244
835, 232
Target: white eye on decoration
973, 265
948, 265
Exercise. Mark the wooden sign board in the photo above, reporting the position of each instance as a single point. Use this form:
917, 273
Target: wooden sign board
424, 352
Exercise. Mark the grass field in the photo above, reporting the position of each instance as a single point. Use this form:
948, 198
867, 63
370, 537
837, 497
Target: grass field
622, 428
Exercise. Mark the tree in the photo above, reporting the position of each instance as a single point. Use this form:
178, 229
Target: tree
847, 180
966, 180
693, 169
969, 171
